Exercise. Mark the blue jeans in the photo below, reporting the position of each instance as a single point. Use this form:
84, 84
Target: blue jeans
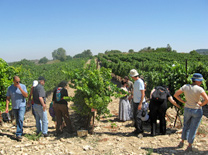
41, 115
192, 118
19, 116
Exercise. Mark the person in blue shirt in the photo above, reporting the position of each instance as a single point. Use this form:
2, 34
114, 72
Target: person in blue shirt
17, 92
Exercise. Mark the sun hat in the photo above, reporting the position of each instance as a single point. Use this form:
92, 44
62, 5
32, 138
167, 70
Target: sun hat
41, 78
133, 73
197, 77
35, 83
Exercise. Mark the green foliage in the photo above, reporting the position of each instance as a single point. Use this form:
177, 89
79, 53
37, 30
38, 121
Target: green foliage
6, 79
113, 52
85, 54
52, 72
93, 90
162, 66
43, 60
33, 137
59, 54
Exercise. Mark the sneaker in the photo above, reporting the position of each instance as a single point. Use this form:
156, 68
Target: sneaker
19, 138
140, 135
188, 149
45, 135
180, 145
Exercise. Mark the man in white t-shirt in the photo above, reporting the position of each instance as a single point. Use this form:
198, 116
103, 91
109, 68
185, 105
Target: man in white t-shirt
138, 100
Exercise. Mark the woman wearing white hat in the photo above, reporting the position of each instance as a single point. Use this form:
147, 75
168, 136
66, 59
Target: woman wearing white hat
192, 109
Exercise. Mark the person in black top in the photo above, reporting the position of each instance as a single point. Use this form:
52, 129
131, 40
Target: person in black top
158, 109
61, 108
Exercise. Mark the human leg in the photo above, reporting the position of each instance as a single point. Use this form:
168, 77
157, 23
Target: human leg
58, 118
186, 124
44, 120
161, 113
37, 110
195, 121
153, 118
137, 117
19, 116
65, 114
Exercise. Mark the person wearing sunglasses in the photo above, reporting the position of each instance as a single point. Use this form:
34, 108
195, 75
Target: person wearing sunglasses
17, 92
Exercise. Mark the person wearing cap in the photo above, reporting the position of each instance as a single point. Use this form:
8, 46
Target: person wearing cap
17, 92
39, 97
30, 99
138, 101
192, 108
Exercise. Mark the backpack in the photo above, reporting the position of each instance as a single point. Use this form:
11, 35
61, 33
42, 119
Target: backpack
160, 94
51, 110
58, 94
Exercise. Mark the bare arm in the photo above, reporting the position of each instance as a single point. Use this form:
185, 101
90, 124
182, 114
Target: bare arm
22, 91
30, 96
151, 93
142, 98
177, 96
7, 104
204, 95
173, 102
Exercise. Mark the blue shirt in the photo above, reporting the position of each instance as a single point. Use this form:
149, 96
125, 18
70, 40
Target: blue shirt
138, 86
18, 100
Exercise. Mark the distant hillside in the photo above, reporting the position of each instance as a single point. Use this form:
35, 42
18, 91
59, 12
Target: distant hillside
202, 51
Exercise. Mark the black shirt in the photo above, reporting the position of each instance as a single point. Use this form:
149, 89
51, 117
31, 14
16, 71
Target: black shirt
64, 92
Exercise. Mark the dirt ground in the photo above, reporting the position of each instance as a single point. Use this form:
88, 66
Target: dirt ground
111, 136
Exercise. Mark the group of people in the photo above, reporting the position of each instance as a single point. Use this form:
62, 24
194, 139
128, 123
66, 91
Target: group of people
134, 106
17, 92
130, 107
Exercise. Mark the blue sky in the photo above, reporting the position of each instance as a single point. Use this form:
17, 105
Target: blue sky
32, 29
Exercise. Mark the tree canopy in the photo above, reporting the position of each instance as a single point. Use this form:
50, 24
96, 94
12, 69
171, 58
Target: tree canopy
84, 54
59, 54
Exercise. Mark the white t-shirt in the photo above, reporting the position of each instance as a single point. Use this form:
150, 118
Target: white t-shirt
138, 86
192, 94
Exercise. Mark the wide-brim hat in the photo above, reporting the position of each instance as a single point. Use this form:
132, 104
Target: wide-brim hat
35, 83
133, 73
197, 77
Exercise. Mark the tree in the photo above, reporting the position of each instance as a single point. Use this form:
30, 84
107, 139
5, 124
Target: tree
113, 52
131, 51
84, 54
68, 57
194, 52
59, 54
43, 60
169, 49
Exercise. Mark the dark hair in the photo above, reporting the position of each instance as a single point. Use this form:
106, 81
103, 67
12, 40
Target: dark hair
126, 77
62, 84
123, 82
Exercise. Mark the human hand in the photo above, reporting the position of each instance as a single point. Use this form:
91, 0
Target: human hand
44, 107
18, 86
140, 107
199, 103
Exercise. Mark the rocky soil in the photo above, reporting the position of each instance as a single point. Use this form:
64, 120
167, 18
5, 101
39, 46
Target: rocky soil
110, 137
